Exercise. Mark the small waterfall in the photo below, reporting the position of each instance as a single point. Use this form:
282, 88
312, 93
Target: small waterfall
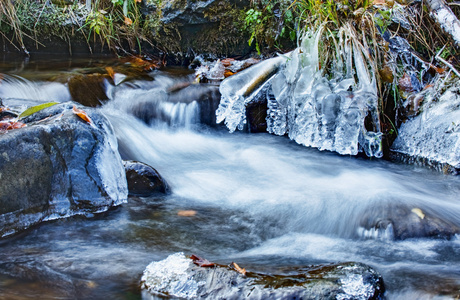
314, 110
16, 87
166, 102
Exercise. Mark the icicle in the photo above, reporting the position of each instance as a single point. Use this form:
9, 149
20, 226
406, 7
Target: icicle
315, 111
238, 90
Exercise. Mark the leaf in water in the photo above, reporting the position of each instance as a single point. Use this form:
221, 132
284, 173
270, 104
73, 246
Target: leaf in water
202, 262
186, 213
34, 109
82, 114
239, 269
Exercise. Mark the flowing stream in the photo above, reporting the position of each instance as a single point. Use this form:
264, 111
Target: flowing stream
260, 200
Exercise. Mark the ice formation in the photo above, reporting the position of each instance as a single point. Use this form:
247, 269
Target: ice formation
171, 277
433, 135
313, 109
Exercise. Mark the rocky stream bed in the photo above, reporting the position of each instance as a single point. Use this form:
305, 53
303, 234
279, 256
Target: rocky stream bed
147, 176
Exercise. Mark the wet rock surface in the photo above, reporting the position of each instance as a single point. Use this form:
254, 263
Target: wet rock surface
402, 222
144, 180
59, 165
88, 89
189, 105
178, 276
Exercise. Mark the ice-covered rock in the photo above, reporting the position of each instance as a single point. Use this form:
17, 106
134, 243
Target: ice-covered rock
177, 276
242, 88
314, 109
433, 136
58, 166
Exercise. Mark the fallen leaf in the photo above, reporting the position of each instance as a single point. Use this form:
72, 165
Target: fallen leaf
110, 72
186, 213
201, 262
82, 114
227, 62
128, 21
386, 74
437, 69
239, 269
228, 73
10, 125
428, 86
418, 212
36, 108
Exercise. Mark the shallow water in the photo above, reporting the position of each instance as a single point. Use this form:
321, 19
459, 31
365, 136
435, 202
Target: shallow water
261, 200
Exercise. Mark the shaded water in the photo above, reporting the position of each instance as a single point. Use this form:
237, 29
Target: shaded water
261, 200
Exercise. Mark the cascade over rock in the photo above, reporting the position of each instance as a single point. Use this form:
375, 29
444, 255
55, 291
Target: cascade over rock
58, 166
336, 114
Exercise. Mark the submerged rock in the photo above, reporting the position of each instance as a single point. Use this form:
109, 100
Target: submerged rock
403, 222
59, 165
178, 276
184, 107
433, 137
88, 89
143, 180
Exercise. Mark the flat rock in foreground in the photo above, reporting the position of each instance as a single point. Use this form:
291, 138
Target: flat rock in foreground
178, 276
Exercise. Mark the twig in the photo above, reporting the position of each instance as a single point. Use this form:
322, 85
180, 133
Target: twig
446, 63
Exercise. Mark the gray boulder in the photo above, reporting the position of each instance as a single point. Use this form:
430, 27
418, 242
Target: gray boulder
58, 166
178, 276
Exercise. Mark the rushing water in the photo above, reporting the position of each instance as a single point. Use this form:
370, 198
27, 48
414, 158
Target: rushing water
260, 200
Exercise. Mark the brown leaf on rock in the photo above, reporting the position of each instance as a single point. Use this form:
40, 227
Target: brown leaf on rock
202, 262
239, 269
227, 62
82, 114
110, 72
228, 73
10, 125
